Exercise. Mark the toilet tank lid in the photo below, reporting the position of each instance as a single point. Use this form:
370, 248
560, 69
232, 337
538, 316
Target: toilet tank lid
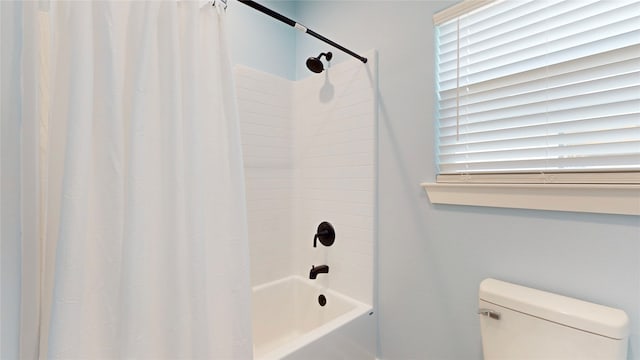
594, 318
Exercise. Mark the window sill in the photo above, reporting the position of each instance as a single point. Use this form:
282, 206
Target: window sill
621, 199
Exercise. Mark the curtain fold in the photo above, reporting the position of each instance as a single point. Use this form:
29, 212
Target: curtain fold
143, 249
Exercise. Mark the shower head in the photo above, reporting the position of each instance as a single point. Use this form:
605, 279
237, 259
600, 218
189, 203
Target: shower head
314, 64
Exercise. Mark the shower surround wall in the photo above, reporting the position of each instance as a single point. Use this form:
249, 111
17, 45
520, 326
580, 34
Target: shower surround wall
335, 142
309, 149
266, 127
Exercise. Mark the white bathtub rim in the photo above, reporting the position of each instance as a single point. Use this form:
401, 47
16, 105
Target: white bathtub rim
360, 310
339, 295
272, 283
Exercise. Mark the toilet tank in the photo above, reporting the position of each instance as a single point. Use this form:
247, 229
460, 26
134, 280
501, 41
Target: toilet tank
517, 322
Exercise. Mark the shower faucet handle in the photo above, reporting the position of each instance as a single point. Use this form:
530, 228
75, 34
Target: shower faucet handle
325, 233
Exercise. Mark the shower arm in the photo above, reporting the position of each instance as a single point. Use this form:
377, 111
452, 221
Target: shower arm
300, 27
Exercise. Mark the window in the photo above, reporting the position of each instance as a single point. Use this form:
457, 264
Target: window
534, 92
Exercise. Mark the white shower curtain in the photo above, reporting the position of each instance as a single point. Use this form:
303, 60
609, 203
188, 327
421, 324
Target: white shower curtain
134, 237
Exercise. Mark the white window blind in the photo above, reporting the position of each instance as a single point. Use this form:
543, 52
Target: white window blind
540, 86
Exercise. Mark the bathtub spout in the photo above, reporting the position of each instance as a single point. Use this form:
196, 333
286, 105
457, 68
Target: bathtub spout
315, 270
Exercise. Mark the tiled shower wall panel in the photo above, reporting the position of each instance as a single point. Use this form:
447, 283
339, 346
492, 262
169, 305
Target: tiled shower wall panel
265, 110
335, 145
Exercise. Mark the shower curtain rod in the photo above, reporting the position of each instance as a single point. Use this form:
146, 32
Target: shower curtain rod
300, 27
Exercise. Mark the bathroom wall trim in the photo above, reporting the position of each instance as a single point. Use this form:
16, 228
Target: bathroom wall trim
623, 199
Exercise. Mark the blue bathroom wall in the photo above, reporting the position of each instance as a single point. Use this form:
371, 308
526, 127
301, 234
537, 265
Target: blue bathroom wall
432, 258
262, 42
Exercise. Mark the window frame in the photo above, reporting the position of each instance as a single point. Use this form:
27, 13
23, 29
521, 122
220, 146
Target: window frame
592, 192
604, 193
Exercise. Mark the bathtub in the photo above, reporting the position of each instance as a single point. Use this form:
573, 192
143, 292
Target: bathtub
289, 323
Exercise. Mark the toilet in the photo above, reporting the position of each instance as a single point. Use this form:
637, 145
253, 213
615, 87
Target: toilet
517, 322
